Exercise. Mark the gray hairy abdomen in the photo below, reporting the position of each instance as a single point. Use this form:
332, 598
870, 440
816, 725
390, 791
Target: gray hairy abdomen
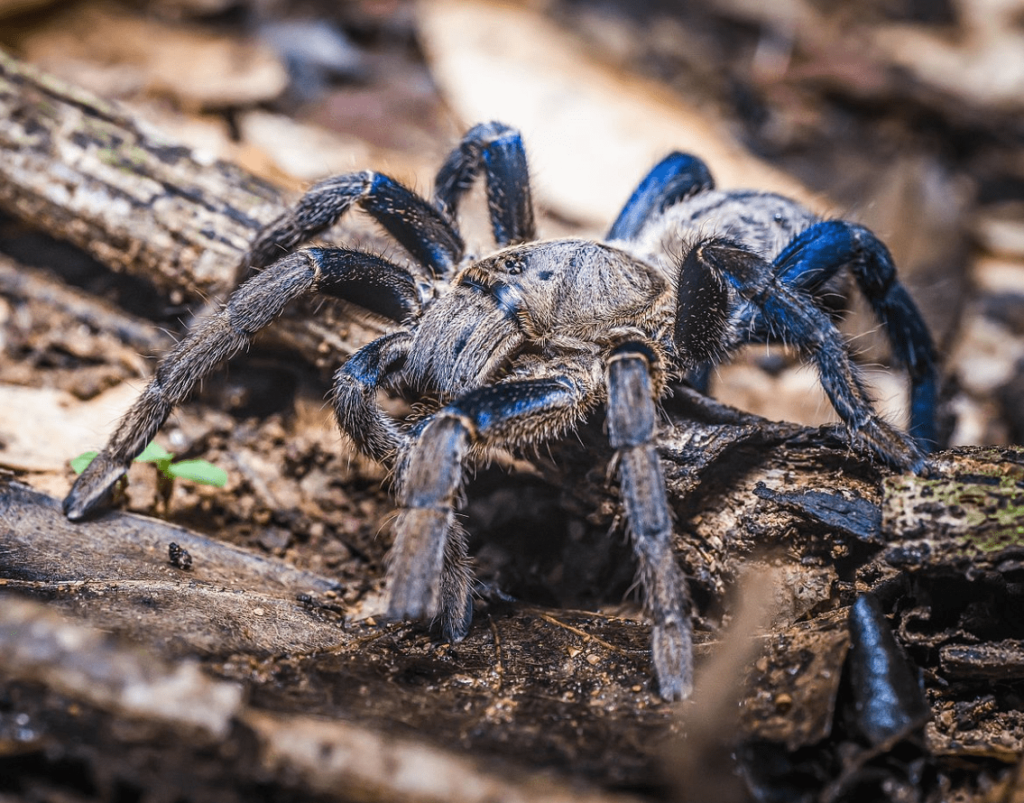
764, 223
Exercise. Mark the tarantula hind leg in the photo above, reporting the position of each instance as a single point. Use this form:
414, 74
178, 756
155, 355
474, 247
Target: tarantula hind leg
722, 287
428, 572
817, 253
631, 420
375, 284
673, 179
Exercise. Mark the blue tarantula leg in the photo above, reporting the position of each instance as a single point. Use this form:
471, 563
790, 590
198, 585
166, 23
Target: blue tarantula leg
738, 279
363, 279
428, 570
498, 149
356, 383
631, 420
819, 252
251, 308
419, 227
674, 178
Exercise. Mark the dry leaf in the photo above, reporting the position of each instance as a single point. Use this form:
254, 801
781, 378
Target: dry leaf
591, 131
118, 53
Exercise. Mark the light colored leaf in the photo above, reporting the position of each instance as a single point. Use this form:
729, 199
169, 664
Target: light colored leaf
154, 453
81, 463
200, 471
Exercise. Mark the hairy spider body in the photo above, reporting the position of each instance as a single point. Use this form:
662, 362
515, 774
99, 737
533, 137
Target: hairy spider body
516, 348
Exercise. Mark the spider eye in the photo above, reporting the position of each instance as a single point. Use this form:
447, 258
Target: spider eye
514, 266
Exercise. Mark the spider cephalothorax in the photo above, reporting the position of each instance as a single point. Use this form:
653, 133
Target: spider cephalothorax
516, 348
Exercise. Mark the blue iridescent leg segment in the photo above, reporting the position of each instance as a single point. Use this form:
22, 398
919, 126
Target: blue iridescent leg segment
421, 229
677, 176
428, 571
375, 283
498, 150
723, 286
631, 430
819, 252
356, 383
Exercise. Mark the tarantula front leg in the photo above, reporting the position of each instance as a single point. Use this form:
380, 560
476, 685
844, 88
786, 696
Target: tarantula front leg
372, 282
421, 229
428, 571
819, 252
631, 422
723, 286
374, 432
498, 149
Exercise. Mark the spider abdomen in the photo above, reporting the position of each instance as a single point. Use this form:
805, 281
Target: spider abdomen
761, 222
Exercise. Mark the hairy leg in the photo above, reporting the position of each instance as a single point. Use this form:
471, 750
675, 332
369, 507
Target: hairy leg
631, 426
498, 149
374, 432
723, 287
393, 293
422, 581
674, 178
819, 252
421, 229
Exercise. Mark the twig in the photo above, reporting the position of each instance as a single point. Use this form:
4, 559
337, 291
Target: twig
582, 633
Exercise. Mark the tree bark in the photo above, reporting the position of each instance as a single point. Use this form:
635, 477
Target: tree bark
86, 171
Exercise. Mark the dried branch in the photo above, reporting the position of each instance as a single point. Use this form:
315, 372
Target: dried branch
86, 171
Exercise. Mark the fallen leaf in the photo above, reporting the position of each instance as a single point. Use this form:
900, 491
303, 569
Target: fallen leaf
41, 429
591, 132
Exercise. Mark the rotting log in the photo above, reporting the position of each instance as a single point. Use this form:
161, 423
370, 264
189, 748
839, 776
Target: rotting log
87, 171
133, 721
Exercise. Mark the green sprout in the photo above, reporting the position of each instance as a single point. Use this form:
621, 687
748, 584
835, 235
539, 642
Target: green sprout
168, 470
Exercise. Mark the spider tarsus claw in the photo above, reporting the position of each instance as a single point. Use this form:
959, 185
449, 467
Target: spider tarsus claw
92, 489
672, 655
415, 563
455, 623
673, 690
74, 507
917, 463
896, 449
406, 605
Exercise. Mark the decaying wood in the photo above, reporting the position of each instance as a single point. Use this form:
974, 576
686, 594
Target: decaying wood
86, 171
585, 676
115, 682
26, 284
301, 651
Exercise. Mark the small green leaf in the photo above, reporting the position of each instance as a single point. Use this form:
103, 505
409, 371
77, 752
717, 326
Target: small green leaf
81, 463
154, 453
199, 471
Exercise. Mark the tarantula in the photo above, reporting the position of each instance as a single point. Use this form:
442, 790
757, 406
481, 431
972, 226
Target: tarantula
515, 348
